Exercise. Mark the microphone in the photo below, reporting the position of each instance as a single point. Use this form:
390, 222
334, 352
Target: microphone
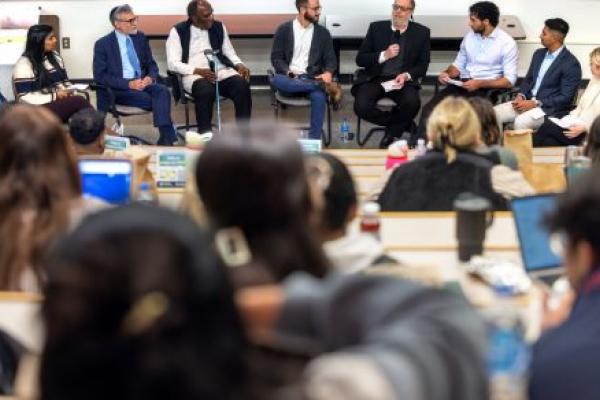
396, 37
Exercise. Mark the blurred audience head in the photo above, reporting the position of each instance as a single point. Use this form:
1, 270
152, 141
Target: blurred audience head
335, 184
38, 181
138, 306
592, 146
86, 128
490, 132
453, 127
576, 219
255, 182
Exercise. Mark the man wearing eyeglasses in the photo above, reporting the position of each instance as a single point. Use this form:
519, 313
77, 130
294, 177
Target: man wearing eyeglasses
193, 47
396, 52
304, 62
487, 60
123, 61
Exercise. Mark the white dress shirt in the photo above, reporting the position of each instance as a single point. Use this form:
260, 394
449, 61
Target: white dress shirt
199, 42
302, 42
491, 57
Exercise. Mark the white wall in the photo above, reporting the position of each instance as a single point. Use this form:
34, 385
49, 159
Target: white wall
86, 20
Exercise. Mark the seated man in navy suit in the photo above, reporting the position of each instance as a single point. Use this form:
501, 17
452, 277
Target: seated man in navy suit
550, 85
123, 61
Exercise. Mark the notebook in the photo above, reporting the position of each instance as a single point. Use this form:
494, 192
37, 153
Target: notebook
534, 239
107, 179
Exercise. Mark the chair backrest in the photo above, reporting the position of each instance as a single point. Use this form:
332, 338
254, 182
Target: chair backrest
430, 183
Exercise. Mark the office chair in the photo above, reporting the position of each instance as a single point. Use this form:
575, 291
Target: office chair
280, 101
119, 111
182, 96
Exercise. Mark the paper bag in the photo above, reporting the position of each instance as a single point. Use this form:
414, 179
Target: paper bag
520, 142
140, 160
544, 177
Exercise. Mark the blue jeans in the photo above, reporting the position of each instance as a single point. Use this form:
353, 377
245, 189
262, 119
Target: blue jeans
318, 98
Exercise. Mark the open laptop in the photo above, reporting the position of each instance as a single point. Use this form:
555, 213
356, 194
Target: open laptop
534, 239
107, 179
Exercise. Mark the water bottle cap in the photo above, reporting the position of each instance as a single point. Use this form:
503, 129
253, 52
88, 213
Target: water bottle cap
421, 141
371, 208
144, 186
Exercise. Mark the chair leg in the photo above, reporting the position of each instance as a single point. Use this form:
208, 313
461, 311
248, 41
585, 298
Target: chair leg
328, 133
358, 131
187, 115
369, 134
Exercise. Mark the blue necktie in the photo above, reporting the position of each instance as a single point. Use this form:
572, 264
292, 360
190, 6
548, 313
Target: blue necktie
133, 58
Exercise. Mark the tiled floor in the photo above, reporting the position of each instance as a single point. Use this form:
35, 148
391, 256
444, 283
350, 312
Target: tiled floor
262, 112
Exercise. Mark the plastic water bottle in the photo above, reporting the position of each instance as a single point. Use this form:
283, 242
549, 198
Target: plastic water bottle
421, 147
509, 354
344, 130
370, 221
145, 195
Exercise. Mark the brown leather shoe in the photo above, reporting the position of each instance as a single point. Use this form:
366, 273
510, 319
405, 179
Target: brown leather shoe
335, 92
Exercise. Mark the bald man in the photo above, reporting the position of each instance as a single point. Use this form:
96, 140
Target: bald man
187, 48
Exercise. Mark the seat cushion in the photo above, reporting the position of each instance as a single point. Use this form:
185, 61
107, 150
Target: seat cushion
294, 101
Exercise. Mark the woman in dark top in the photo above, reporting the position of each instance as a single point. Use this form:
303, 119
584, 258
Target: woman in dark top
40, 78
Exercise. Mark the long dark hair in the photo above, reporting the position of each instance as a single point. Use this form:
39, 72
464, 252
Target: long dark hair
138, 306
256, 181
34, 51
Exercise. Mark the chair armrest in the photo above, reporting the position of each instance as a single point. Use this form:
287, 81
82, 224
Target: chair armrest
176, 80
111, 96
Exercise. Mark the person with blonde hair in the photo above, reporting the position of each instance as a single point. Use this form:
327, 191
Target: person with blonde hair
588, 108
459, 162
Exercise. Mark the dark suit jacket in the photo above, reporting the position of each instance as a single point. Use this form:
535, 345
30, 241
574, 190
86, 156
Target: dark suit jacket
108, 69
321, 57
416, 52
559, 86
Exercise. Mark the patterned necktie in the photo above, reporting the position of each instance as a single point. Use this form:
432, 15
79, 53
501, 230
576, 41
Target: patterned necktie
133, 58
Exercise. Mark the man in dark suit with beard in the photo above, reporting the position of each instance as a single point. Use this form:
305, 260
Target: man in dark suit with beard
395, 50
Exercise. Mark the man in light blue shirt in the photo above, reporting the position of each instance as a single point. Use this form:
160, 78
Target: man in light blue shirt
487, 60
550, 85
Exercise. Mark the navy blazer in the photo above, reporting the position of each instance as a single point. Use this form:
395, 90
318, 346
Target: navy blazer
108, 68
559, 86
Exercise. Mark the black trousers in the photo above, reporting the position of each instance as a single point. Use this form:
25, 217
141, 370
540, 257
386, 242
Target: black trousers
400, 118
550, 134
450, 90
235, 88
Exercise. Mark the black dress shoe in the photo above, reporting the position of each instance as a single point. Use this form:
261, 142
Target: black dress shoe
386, 140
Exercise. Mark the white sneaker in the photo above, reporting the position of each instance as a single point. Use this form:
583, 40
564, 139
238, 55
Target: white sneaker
194, 139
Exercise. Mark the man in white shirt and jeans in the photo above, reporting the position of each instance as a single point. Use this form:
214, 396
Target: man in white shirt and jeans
304, 61
187, 45
487, 60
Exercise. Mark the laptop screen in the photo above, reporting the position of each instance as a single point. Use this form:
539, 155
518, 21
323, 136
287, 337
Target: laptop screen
534, 238
106, 179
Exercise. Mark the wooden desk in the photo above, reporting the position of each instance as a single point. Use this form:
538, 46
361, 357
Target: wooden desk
238, 25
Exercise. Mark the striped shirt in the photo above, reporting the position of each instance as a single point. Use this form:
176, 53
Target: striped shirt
27, 85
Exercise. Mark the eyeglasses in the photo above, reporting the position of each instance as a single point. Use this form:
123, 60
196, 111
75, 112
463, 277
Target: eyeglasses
397, 7
130, 20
